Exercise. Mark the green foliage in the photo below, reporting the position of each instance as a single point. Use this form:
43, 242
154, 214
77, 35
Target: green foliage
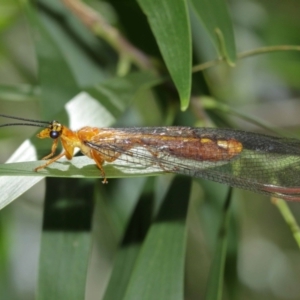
129, 63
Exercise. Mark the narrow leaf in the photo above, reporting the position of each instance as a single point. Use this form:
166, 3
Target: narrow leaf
169, 22
66, 239
159, 270
216, 19
130, 246
22, 92
53, 68
79, 167
216, 278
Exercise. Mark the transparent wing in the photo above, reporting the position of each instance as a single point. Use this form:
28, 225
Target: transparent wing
266, 164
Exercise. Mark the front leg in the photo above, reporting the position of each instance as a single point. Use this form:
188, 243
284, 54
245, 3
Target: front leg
49, 162
53, 149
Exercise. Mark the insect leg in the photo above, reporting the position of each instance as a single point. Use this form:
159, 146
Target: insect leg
53, 149
99, 161
49, 162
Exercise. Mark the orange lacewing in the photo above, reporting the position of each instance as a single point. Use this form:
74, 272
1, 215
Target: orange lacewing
257, 162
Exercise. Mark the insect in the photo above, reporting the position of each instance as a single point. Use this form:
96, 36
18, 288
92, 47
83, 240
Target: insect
257, 162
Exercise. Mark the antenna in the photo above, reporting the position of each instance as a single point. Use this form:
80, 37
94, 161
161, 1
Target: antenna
23, 124
35, 123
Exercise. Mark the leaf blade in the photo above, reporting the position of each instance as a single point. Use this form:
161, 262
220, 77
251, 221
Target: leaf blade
215, 18
169, 22
66, 239
163, 252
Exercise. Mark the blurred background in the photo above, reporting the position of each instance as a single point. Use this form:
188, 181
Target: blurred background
263, 259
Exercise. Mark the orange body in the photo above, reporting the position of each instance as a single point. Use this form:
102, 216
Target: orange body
108, 144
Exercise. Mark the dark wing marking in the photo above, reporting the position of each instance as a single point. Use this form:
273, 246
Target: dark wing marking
269, 165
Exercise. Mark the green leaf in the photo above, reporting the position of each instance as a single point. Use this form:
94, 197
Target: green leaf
54, 71
81, 49
22, 92
131, 244
117, 93
288, 217
169, 22
159, 269
215, 285
79, 167
9, 10
63, 265
66, 239
216, 19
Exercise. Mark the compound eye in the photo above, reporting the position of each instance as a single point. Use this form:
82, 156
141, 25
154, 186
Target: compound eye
54, 134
